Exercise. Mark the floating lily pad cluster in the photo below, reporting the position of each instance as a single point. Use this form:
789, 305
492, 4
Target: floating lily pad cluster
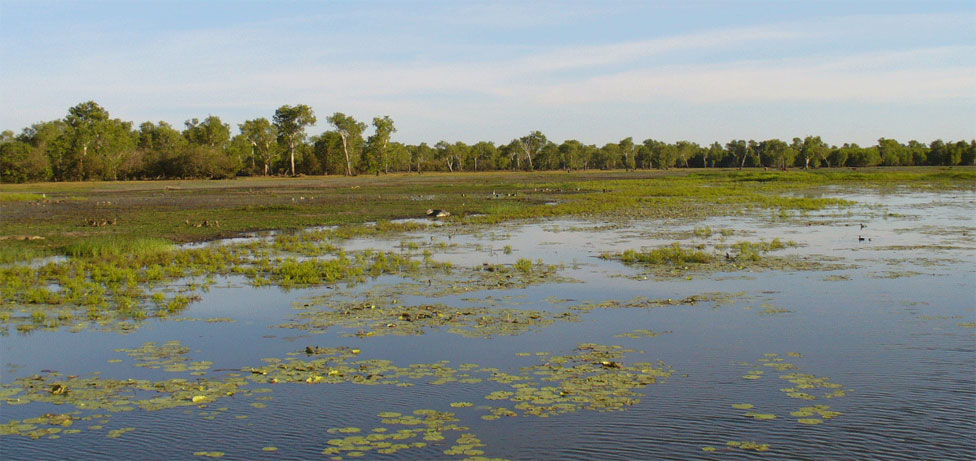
106, 396
805, 386
422, 428
373, 319
170, 356
716, 299
641, 333
752, 446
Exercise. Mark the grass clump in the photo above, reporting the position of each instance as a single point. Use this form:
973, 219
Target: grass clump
673, 254
753, 251
20, 197
11, 252
117, 246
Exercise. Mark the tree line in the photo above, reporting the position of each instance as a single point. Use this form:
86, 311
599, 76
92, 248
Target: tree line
87, 144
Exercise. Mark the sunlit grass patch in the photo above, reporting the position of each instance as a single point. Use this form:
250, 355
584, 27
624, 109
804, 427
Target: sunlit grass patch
673, 254
117, 246
20, 197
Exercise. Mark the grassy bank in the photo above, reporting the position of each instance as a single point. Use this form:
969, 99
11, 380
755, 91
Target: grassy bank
64, 218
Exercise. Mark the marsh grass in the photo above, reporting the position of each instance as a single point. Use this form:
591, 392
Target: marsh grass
11, 252
673, 254
173, 209
20, 197
116, 246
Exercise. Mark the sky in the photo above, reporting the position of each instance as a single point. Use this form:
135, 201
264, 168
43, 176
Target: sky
595, 71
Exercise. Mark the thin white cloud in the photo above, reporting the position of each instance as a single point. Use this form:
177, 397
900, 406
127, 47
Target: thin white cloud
874, 77
247, 70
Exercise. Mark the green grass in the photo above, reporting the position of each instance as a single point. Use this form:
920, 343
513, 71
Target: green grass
177, 210
117, 246
20, 197
15, 251
673, 254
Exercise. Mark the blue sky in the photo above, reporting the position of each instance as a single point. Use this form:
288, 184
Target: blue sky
595, 71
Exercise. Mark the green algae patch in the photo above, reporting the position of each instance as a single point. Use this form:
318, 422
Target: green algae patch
171, 357
378, 319
114, 434
716, 299
742, 406
805, 386
751, 446
108, 396
760, 416
595, 377
641, 333
673, 261
419, 428
209, 454
822, 411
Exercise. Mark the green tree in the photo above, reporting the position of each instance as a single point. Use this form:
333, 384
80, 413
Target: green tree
378, 145
399, 156
955, 152
861, 156
714, 154
685, 150
327, 149
937, 152
609, 156
211, 132
892, 152
351, 132
738, 149
291, 123
163, 149
919, 152
261, 134
21, 162
811, 149
530, 145
969, 156
571, 152
483, 154
207, 155
776, 153
420, 155
628, 153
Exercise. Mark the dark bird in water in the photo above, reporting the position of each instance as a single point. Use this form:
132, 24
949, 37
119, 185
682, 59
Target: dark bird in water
860, 239
863, 226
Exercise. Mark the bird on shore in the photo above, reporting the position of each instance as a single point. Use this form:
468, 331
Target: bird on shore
437, 213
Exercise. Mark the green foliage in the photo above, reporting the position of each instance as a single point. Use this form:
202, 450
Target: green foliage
523, 265
20, 162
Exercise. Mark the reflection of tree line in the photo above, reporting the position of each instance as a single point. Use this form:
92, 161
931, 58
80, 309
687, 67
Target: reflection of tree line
89, 145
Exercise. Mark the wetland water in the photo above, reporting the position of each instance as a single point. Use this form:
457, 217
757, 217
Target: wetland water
838, 348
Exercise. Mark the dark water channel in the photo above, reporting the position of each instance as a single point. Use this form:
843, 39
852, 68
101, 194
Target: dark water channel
888, 321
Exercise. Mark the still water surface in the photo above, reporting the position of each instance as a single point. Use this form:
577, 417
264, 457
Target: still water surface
887, 321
